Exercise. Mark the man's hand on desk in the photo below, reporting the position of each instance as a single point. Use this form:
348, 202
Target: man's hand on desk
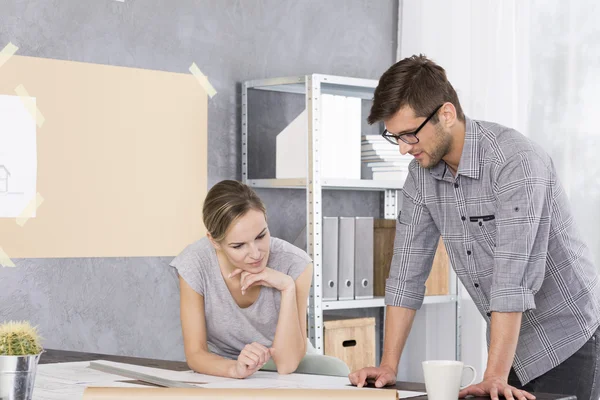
492, 386
382, 376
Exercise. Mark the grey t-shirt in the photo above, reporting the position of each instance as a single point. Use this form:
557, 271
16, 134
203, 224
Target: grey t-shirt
228, 327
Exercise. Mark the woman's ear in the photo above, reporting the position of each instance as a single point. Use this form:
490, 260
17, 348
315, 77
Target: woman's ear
215, 244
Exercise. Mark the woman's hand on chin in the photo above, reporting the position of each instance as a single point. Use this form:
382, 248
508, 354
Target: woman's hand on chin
267, 277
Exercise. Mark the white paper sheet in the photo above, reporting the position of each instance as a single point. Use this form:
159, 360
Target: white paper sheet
272, 380
18, 157
406, 394
293, 382
67, 381
79, 373
258, 383
301, 380
181, 376
74, 372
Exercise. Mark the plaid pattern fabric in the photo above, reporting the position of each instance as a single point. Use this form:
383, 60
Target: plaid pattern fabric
511, 239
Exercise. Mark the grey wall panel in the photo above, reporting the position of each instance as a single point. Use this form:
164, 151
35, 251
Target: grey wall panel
105, 305
130, 306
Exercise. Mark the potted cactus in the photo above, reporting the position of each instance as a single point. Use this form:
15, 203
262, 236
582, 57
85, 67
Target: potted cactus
20, 351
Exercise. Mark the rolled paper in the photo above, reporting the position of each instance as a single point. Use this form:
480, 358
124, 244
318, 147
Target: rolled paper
105, 393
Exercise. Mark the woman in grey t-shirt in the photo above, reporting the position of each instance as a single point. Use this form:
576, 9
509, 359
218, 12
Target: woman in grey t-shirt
243, 293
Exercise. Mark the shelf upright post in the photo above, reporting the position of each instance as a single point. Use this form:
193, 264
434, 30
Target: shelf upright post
313, 212
390, 207
245, 132
390, 211
458, 321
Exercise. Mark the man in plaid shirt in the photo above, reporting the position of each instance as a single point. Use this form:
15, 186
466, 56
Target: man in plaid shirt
494, 197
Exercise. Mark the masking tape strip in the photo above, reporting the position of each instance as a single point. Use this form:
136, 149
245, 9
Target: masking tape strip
202, 80
7, 52
27, 213
5, 260
30, 105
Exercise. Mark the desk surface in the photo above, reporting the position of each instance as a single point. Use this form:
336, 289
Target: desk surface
55, 356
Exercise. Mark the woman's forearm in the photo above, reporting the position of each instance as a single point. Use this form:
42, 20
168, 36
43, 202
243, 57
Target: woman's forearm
289, 345
205, 362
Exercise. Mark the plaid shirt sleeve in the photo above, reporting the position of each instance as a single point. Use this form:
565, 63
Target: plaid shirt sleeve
414, 248
524, 194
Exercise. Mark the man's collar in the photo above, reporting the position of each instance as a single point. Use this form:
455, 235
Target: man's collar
469, 159
439, 171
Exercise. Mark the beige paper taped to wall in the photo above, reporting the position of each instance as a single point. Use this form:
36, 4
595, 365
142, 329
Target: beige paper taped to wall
30, 209
202, 80
7, 52
5, 260
121, 162
29, 104
97, 393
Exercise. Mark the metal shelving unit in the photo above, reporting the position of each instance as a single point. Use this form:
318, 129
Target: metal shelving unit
313, 86
332, 184
380, 302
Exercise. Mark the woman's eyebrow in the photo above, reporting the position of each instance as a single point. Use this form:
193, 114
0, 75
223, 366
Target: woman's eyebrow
261, 232
236, 243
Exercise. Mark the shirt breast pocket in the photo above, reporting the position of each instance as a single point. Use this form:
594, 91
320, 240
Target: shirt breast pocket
410, 213
484, 227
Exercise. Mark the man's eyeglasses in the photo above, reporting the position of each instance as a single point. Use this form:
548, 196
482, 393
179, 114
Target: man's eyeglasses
410, 137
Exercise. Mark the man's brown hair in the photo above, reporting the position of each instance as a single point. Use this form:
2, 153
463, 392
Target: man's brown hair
416, 82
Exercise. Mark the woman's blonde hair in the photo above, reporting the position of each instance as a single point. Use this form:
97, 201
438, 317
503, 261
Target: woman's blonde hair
225, 202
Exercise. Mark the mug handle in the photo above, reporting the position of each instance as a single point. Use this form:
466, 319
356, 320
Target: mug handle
474, 376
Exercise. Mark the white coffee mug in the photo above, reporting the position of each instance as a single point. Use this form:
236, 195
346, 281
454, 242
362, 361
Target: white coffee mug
443, 378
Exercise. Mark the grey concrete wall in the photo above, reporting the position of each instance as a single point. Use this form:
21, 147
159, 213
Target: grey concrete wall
130, 305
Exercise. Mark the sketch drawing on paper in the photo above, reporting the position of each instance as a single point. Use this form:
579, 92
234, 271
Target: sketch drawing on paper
4, 175
18, 157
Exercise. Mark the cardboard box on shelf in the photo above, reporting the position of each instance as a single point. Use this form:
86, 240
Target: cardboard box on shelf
383, 250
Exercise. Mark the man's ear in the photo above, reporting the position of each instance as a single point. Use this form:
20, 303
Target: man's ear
448, 115
215, 244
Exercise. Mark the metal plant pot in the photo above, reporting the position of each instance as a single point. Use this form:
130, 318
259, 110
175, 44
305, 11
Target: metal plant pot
17, 376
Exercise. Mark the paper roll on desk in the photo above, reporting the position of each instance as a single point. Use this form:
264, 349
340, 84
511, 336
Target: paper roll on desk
105, 393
